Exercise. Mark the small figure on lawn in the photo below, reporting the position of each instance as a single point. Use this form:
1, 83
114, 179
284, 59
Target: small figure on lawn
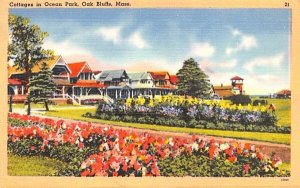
272, 107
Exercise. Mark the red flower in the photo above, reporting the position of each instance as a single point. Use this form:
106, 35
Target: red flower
247, 146
239, 150
259, 155
213, 151
32, 148
246, 168
137, 166
124, 168
193, 138
189, 150
85, 173
232, 159
81, 145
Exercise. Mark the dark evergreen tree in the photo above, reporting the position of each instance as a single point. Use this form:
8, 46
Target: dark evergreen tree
25, 46
192, 81
42, 86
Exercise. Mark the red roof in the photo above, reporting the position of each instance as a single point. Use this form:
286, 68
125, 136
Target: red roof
88, 83
78, 67
173, 79
236, 78
284, 92
86, 69
15, 81
159, 75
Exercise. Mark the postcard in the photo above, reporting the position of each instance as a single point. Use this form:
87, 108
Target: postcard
137, 94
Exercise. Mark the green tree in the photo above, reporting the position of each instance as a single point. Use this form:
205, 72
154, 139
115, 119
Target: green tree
25, 46
42, 86
192, 80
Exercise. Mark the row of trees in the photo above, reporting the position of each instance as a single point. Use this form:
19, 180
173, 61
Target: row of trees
25, 50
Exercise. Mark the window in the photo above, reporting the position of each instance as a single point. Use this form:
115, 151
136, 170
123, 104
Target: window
161, 82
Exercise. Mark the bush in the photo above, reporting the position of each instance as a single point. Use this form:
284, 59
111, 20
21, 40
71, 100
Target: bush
261, 102
198, 166
208, 115
240, 99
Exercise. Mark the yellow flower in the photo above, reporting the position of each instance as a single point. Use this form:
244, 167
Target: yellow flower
196, 101
181, 99
141, 100
240, 107
128, 102
263, 109
190, 100
249, 107
151, 103
158, 99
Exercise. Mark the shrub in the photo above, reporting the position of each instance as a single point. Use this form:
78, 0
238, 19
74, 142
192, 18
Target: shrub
240, 99
198, 166
261, 102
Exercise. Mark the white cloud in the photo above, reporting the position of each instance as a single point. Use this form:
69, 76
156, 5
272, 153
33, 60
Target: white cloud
212, 67
228, 64
137, 40
153, 65
65, 48
267, 61
218, 78
203, 50
235, 32
264, 84
245, 42
110, 34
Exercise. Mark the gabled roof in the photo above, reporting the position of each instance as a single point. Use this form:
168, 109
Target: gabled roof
138, 75
284, 92
223, 91
236, 78
109, 75
159, 75
37, 68
78, 67
222, 87
173, 79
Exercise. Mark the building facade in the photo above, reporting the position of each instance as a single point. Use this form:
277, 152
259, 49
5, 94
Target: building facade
78, 82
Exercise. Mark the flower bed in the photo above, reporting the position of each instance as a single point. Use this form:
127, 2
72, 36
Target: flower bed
98, 151
190, 112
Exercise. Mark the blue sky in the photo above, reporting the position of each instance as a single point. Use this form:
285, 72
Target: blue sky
251, 43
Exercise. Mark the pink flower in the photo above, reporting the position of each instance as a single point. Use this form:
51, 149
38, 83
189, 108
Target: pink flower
246, 168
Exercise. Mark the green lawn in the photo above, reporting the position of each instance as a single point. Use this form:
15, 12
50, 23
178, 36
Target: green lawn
283, 111
268, 137
39, 105
33, 166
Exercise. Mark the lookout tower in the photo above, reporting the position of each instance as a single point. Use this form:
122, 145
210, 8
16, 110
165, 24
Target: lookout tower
237, 82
